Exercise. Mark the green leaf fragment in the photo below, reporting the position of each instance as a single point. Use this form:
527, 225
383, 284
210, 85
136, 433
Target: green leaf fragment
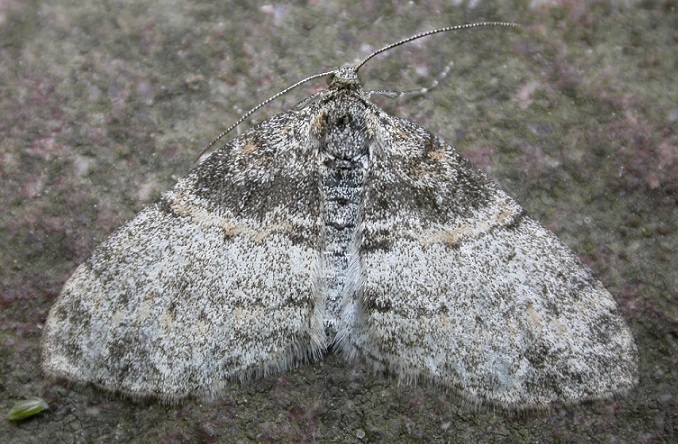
27, 408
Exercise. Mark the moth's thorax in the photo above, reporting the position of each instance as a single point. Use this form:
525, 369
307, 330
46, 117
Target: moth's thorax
341, 126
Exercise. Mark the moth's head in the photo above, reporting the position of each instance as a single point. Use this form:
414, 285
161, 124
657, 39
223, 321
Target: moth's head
345, 77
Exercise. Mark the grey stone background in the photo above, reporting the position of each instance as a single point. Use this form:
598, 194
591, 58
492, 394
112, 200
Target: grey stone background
103, 105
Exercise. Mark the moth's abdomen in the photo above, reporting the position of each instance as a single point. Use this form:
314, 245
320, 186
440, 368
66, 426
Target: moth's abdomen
341, 130
342, 190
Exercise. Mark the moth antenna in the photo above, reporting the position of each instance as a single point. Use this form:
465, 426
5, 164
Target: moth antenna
384, 49
435, 31
262, 104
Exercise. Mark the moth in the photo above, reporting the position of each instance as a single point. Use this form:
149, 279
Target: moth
337, 226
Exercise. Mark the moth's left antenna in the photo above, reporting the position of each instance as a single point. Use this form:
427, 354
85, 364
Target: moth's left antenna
264, 103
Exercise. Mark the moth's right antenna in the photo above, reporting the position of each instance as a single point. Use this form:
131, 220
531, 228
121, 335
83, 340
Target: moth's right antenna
435, 31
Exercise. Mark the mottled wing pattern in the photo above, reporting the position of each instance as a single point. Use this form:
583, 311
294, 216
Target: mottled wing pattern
461, 288
218, 280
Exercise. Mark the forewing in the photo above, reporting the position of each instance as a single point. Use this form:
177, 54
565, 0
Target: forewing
215, 281
460, 287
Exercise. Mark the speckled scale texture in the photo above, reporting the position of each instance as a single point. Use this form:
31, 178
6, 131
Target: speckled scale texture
339, 225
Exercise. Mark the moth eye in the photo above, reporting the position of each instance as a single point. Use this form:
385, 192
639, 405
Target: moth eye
329, 79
